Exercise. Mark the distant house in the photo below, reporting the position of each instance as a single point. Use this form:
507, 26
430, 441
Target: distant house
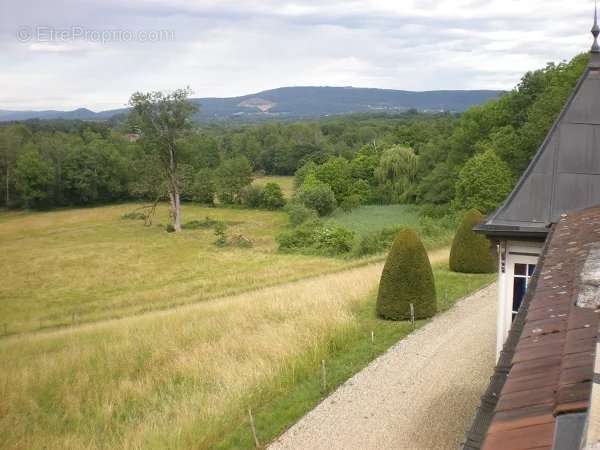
545, 392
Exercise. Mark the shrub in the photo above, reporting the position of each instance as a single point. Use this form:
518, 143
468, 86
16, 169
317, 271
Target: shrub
251, 196
300, 237
315, 238
434, 211
203, 187
334, 240
472, 252
351, 202
406, 278
272, 197
369, 244
220, 232
318, 196
299, 213
199, 224
134, 215
376, 241
170, 228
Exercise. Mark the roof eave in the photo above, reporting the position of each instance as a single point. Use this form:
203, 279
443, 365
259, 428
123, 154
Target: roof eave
515, 232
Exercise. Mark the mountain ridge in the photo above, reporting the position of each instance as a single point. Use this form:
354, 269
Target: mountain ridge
296, 103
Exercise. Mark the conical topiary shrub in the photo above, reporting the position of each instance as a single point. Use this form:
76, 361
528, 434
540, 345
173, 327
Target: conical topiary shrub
406, 278
472, 252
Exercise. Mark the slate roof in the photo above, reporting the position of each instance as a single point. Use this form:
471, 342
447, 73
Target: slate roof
564, 175
545, 370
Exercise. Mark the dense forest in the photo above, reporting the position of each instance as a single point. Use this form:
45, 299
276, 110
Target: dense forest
463, 161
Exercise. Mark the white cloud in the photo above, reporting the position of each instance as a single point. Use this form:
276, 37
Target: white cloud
235, 47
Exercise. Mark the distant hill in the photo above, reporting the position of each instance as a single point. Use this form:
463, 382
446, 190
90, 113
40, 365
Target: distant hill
297, 103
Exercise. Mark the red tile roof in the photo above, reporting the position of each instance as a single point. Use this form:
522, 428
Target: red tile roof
552, 363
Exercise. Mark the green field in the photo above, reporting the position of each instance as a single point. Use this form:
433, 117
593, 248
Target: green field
88, 264
285, 183
369, 218
373, 218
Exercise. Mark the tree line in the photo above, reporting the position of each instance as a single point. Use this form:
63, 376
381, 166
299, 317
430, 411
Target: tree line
468, 160
464, 162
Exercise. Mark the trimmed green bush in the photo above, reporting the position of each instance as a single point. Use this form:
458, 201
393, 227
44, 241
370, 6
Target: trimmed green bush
472, 252
406, 278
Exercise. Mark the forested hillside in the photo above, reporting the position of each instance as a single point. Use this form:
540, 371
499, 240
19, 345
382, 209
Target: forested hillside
295, 103
467, 160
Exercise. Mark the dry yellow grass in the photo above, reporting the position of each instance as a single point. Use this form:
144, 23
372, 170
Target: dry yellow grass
177, 377
170, 379
91, 263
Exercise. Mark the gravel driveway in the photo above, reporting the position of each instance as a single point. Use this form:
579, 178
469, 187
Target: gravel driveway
421, 394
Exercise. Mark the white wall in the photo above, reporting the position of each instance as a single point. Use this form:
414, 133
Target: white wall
509, 254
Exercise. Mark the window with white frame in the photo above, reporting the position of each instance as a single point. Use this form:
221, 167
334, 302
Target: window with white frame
521, 277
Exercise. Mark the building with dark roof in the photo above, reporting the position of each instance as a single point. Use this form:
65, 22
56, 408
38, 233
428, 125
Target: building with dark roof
563, 177
545, 390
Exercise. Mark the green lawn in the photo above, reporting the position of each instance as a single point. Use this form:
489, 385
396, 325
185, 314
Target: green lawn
371, 218
88, 264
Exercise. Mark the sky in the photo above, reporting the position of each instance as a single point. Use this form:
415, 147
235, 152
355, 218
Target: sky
95, 53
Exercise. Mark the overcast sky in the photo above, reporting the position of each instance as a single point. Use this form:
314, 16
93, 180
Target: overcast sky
95, 53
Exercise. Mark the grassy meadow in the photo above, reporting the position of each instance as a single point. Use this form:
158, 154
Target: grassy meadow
185, 377
125, 336
89, 264
369, 218
373, 218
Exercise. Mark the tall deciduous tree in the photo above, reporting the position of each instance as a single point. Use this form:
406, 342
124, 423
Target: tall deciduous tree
233, 175
162, 120
483, 183
34, 177
12, 140
396, 172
